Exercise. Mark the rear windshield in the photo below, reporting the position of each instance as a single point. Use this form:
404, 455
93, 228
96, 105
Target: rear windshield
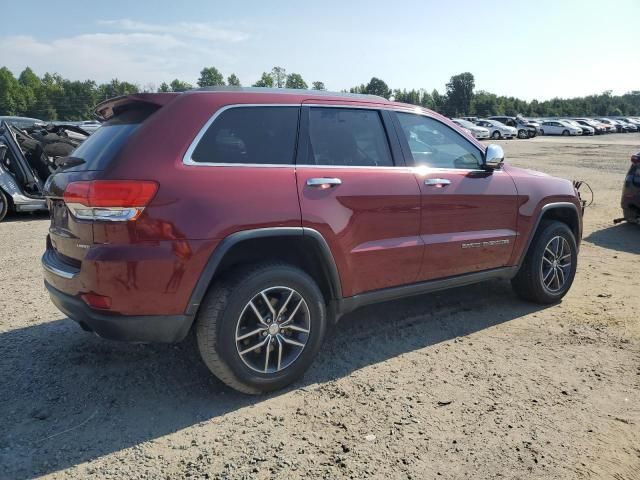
105, 143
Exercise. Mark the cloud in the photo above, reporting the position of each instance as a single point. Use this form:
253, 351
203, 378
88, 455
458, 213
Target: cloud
202, 31
136, 51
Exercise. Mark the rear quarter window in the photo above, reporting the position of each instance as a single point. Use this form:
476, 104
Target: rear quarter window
250, 135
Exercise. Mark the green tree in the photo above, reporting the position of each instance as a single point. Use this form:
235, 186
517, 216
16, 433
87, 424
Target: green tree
265, 81
377, 87
179, 86
279, 76
460, 93
233, 80
317, 86
294, 80
210, 77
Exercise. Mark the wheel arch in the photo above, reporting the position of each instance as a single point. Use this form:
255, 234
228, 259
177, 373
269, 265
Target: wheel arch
565, 212
303, 247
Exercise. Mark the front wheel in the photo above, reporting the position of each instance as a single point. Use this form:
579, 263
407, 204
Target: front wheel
565, 133
259, 329
550, 265
523, 134
496, 135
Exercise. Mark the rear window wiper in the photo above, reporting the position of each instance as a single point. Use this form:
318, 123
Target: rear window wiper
68, 162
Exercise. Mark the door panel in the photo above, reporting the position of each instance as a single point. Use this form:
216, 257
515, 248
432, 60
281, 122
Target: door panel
370, 221
369, 214
468, 225
468, 220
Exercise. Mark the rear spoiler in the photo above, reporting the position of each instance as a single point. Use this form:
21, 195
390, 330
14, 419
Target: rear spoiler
113, 106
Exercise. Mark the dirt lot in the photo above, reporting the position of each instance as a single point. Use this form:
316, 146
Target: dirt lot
470, 383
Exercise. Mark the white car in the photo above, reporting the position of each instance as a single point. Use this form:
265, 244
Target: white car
497, 130
476, 131
559, 127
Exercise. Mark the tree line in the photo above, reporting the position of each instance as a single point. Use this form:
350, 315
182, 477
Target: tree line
52, 97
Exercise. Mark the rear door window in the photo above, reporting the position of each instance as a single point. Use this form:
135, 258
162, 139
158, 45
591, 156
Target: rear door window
347, 137
250, 135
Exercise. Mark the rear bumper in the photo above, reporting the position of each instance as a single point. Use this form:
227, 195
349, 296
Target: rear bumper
144, 328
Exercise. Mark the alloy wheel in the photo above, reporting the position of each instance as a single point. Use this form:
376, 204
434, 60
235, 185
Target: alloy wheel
556, 264
273, 329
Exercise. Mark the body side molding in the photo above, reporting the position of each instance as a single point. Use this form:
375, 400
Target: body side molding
348, 304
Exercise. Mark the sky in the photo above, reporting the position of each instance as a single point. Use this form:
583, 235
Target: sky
538, 49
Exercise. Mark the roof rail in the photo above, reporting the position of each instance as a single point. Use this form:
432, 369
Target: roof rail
288, 91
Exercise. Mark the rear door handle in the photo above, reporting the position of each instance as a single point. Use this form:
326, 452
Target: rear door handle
437, 182
323, 182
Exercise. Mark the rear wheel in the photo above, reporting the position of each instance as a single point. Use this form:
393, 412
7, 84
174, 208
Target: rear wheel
565, 133
550, 265
496, 135
523, 134
260, 329
4, 205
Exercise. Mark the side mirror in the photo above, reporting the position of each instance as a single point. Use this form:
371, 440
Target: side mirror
493, 157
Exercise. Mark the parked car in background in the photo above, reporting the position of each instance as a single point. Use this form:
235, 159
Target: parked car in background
497, 129
28, 157
525, 129
618, 125
631, 120
21, 122
629, 127
631, 191
559, 127
597, 126
586, 130
89, 126
478, 132
359, 200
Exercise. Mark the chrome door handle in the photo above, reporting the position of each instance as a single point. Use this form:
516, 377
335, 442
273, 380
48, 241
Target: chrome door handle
437, 182
323, 182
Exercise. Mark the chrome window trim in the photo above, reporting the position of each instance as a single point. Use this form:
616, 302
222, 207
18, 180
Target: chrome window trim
188, 160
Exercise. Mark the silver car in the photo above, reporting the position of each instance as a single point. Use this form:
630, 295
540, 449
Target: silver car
497, 129
478, 132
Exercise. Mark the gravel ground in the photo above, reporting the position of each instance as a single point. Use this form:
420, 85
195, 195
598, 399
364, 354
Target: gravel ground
470, 383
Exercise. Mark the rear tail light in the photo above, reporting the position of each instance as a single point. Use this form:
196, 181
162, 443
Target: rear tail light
109, 200
635, 159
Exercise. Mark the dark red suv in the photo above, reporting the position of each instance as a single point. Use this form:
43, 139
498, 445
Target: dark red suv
259, 216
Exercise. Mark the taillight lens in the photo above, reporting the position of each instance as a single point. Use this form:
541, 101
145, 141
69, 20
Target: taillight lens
110, 200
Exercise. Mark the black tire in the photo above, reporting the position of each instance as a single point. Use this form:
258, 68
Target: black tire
4, 205
496, 135
529, 283
541, 131
522, 134
565, 133
222, 310
532, 134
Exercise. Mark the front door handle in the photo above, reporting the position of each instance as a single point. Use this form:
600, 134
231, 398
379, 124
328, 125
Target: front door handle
437, 182
323, 182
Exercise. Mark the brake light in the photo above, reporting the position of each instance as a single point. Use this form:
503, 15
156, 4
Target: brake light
110, 200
